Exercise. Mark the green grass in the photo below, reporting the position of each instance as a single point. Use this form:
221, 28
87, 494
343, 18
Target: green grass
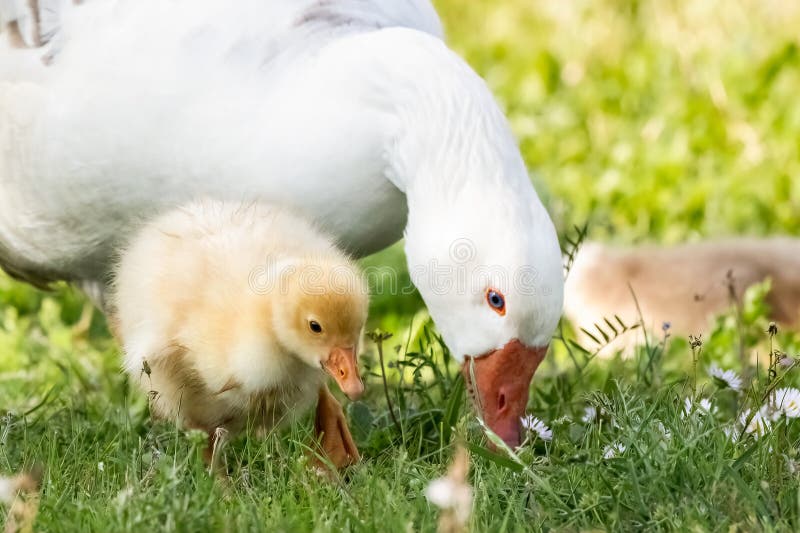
71, 410
656, 121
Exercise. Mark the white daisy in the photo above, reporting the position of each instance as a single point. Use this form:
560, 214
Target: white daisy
731, 432
613, 450
101, 466
531, 423
703, 406
666, 433
787, 401
8, 489
727, 378
452, 493
758, 425
446, 493
441, 492
589, 414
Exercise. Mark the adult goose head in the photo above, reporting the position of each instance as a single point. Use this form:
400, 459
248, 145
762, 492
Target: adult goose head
351, 111
480, 246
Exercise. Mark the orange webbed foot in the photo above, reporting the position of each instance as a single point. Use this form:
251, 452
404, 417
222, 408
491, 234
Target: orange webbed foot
333, 434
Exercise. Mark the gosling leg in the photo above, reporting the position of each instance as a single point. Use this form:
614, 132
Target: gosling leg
333, 434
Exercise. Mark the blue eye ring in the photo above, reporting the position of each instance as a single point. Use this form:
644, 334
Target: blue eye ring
496, 301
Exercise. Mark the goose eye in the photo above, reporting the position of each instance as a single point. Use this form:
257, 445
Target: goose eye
314, 326
496, 301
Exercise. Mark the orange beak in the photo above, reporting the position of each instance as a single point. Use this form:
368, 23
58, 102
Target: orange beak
342, 365
502, 384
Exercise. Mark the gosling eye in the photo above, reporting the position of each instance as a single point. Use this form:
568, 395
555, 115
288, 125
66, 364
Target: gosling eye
496, 301
314, 326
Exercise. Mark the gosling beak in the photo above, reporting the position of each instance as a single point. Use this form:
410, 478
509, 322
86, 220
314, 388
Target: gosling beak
502, 384
342, 365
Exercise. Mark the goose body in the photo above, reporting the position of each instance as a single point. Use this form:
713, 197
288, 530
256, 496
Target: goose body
97, 141
353, 113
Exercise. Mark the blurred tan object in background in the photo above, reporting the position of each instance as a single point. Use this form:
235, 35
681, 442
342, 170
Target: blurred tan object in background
684, 286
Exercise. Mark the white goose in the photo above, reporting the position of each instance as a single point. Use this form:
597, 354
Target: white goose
351, 111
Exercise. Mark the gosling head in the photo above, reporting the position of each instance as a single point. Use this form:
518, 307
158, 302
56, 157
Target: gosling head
321, 318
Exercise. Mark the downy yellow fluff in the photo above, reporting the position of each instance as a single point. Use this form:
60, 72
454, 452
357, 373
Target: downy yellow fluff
228, 311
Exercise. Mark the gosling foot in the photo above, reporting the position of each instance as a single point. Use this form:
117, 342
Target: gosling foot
333, 435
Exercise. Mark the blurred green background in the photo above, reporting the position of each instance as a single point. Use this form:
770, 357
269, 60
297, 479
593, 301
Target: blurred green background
659, 120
